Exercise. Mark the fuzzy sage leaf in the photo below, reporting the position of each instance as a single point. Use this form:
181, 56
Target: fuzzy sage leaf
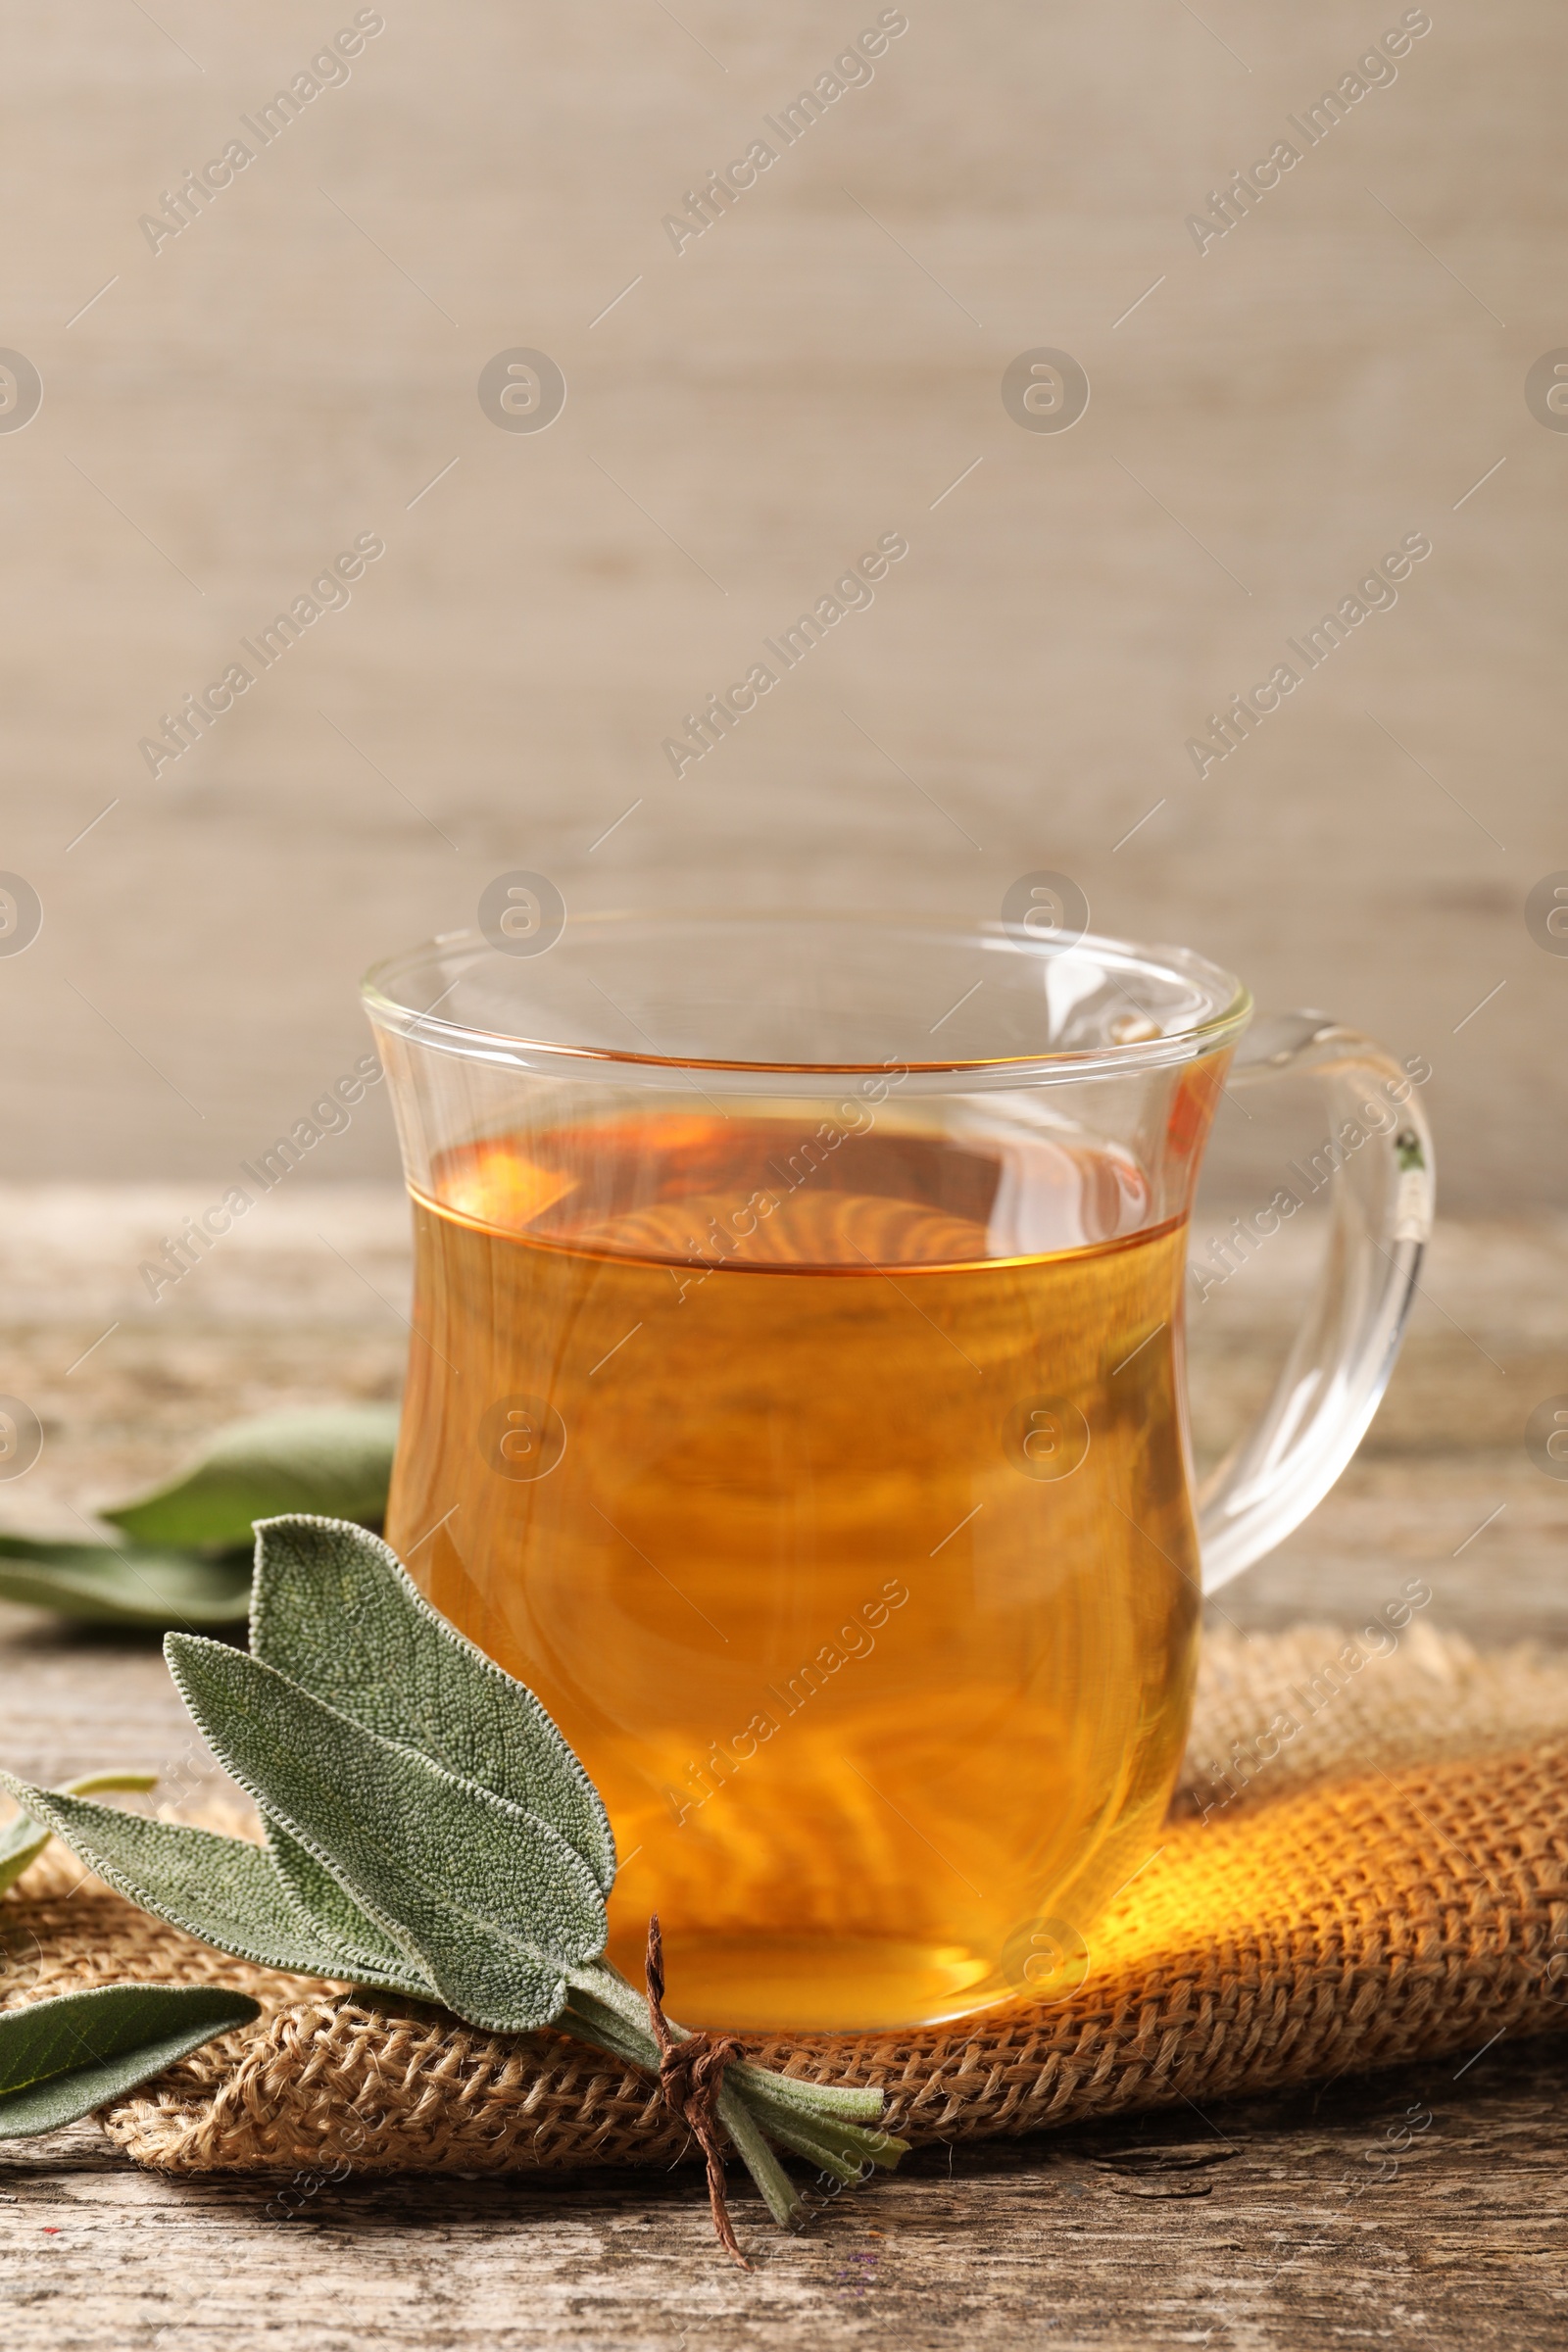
335, 1611
185, 1555
338, 1461
60, 2059
126, 1583
326, 1910
492, 1901
223, 1890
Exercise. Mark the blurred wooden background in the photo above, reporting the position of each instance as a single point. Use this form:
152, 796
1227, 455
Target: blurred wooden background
299, 366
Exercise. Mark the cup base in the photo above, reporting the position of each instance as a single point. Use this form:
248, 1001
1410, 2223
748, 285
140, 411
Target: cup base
758, 1981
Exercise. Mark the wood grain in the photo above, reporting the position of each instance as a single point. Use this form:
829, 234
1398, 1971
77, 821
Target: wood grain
1300, 2240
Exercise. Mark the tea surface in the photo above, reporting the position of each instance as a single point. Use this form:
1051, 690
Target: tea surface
836, 1506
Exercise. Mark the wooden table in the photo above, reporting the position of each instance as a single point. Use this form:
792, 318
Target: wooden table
1283, 2236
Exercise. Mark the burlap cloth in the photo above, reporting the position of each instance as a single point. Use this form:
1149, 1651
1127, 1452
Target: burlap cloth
1390, 1883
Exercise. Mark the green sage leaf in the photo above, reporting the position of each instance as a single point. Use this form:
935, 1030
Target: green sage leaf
493, 1903
335, 1611
101, 1584
324, 1906
60, 2059
223, 1890
22, 1840
337, 1461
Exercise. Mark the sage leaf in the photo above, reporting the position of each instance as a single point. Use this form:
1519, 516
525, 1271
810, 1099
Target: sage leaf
325, 1907
334, 1610
224, 1891
338, 1461
101, 1584
59, 2059
493, 1902
22, 1840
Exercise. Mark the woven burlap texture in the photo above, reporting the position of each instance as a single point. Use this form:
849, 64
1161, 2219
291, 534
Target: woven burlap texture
1367, 1863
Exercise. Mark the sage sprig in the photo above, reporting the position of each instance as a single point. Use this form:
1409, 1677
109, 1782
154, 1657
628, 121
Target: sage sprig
125, 1584
184, 1553
428, 1831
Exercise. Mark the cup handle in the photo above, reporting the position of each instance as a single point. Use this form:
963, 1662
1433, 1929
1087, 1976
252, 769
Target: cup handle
1343, 1350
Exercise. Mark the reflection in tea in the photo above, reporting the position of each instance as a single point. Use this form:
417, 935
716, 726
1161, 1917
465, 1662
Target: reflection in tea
836, 1504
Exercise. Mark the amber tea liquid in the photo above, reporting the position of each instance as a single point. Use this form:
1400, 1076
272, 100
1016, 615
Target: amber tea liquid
834, 1499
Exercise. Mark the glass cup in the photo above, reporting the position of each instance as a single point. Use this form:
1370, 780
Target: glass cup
796, 1405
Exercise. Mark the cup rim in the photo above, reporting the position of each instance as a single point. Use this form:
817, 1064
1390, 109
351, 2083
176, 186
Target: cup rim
1185, 1043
